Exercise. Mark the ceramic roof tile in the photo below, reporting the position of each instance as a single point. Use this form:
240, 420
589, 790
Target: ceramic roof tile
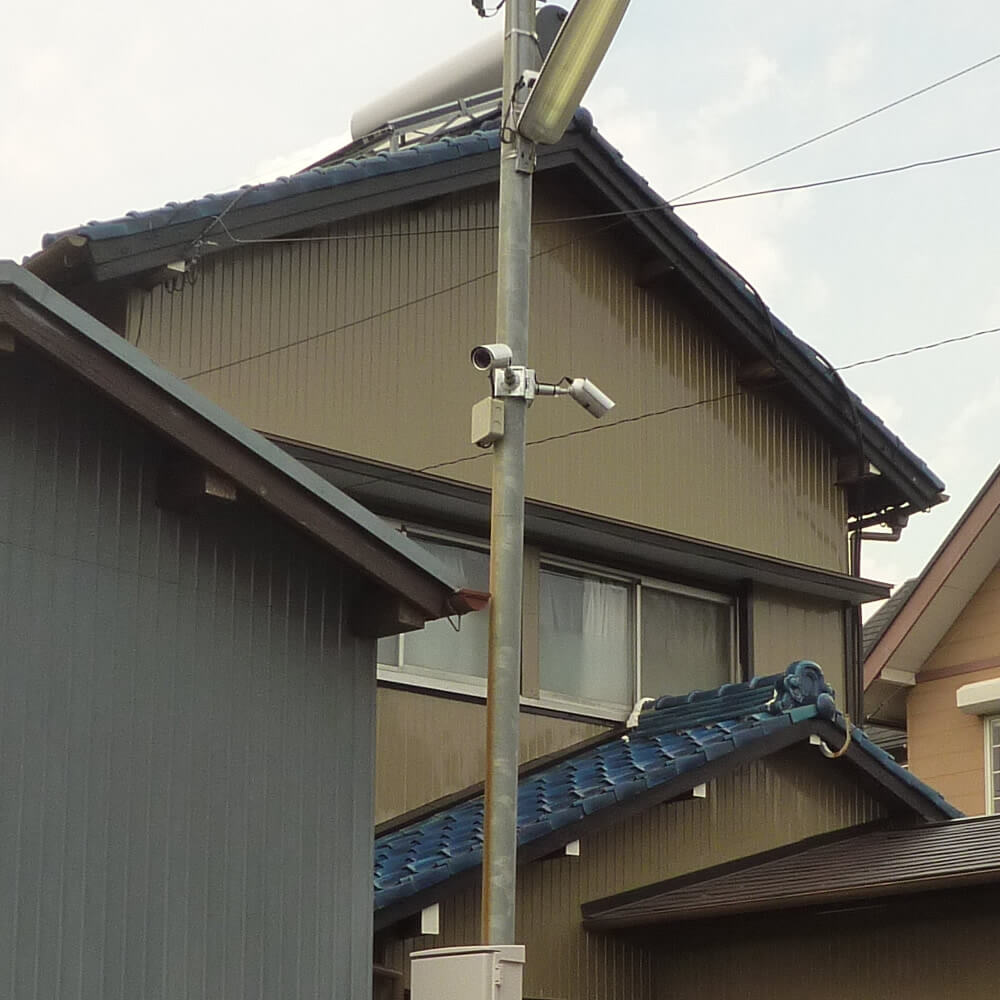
676, 736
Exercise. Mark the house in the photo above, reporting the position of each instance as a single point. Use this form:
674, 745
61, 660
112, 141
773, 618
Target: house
189, 621
697, 539
756, 806
933, 663
699, 533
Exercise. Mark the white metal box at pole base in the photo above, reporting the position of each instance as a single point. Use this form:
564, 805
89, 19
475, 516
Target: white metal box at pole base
476, 972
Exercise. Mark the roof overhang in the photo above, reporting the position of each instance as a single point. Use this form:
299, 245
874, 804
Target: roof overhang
441, 502
951, 578
136, 248
880, 862
413, 587
903, 796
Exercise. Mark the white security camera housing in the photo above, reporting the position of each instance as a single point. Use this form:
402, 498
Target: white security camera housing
490, 357
595, 402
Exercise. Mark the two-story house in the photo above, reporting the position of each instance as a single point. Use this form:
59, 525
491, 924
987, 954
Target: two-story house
932, 669
698, 537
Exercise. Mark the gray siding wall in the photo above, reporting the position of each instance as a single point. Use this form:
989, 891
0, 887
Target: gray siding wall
186, 729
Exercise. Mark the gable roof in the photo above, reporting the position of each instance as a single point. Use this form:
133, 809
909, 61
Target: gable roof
875, 627
936, 598
679, 743
839, 870
142, 242
49, 323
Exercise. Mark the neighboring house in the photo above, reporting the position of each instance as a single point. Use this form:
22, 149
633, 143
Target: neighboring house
933, 662
189, 621
682, 818
696, 536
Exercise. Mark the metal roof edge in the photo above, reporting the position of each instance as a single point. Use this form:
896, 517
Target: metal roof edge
925, 589
57, 305
454, 155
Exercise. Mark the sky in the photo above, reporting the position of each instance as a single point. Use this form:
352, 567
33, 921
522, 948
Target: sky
112, 106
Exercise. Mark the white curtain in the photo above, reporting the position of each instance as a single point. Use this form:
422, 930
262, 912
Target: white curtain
687, 643
585, 639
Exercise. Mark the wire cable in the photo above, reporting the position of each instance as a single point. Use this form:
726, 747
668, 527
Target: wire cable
618, 213
389, 310
918, 348
649, 414
839, 180
839, 128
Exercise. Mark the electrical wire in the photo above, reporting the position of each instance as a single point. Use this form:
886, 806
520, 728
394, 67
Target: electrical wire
649, 414
839, 128
918, 348
389, 310
618, 213
838, 180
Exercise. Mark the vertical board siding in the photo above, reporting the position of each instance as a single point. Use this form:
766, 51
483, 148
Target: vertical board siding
857, 954
360, 344
186, 730
429, 746
789, 627
757, 807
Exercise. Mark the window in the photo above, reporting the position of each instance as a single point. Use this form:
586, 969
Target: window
686, 641
585, 639
602, 637
993, 764
438, 650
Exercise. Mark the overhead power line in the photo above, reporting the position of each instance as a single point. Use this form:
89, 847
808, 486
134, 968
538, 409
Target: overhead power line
617, 214
839, 180
839, 128
649, 414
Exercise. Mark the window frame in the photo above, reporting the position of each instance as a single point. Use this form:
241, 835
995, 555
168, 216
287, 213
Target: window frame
422, 677
453, 683
992, 800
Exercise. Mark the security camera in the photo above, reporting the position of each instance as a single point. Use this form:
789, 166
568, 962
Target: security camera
490, 357
590, 397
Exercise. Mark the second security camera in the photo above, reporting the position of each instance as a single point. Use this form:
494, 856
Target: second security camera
595, 402
490, 357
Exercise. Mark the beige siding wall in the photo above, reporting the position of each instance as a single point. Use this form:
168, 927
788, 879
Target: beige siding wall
428, 746
759, 806
921, 957
789, 627
371, 376
975, 634
946, 746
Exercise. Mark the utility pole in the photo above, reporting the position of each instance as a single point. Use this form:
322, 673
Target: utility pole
517, 156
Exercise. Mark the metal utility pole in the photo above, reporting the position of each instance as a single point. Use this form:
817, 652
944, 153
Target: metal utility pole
507, 518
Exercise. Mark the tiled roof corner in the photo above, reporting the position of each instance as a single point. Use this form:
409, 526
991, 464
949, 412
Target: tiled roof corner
677, 736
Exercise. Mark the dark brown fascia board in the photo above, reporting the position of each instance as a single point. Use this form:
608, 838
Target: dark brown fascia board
813, 903
196, 436
894, 790
934, 576
419, 498
738, 311
594, 908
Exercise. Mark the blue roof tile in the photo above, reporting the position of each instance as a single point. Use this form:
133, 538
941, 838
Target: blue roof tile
677, 736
